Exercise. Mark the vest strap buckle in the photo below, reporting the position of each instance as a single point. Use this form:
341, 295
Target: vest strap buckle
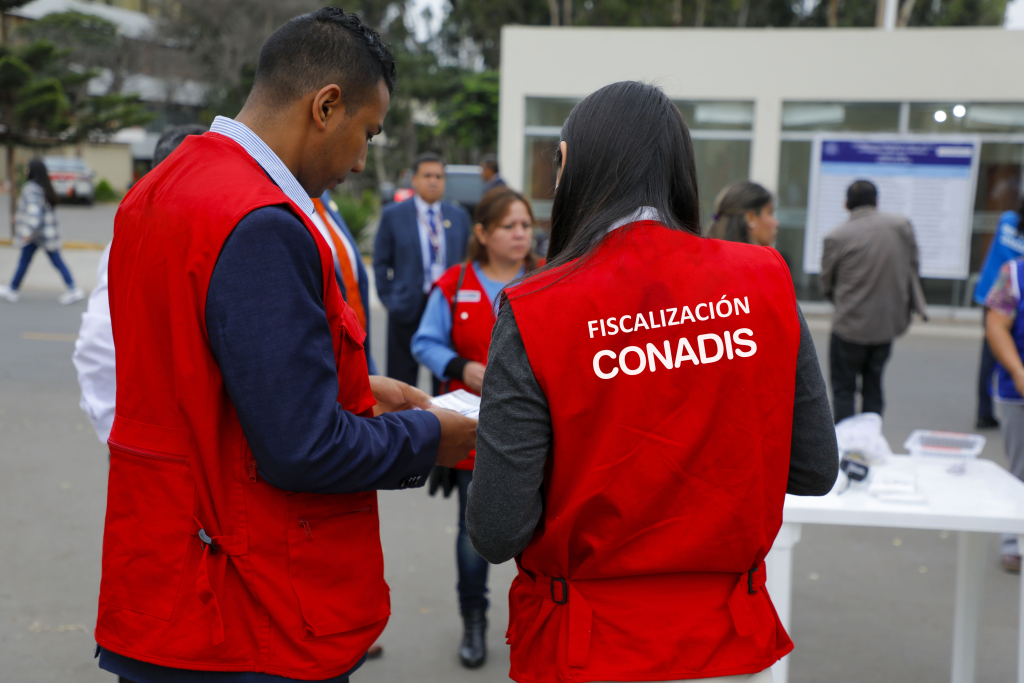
565, 591
205, 540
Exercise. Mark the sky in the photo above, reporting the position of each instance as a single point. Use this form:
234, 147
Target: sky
437, 8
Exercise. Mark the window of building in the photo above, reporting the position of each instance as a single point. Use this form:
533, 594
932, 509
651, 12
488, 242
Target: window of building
1001, 127
721, 133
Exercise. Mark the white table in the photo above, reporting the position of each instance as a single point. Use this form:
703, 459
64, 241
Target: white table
987, 499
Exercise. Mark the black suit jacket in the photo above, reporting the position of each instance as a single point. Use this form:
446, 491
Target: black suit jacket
398, 252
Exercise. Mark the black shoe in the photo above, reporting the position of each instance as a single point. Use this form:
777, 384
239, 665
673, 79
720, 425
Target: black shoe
986, 423
473, 650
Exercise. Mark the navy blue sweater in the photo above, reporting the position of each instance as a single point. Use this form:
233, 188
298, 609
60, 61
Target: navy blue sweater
268, 330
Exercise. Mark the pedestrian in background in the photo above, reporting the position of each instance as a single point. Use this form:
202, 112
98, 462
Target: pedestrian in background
489, 173
36, 226
1004, 331
1007, 244
869, 270
452, 340
744, 212
348, 265
417, 241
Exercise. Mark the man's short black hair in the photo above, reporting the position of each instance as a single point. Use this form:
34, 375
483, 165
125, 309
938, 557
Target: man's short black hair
425, 158
861, 193
170, 140
322, 48
490, 161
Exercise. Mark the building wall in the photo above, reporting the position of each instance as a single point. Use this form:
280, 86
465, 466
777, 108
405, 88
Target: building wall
110, 161
767, 66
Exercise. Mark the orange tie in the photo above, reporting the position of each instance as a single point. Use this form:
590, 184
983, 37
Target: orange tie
351, 283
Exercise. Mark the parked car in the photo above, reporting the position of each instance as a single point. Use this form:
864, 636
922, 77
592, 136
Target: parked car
464, 185
71, 177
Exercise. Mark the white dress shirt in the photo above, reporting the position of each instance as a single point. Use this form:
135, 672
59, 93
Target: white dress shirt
432, 269
94, 357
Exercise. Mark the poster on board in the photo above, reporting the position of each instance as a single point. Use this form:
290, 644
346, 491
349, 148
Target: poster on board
929, 180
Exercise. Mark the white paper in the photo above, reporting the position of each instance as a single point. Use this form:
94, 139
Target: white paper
461, 401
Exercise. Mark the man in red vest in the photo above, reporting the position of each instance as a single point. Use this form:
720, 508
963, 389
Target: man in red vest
249, 441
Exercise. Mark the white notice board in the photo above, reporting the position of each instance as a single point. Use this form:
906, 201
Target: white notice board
930, 180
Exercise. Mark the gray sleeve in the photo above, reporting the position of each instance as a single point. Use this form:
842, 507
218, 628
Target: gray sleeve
513, 440
814, 454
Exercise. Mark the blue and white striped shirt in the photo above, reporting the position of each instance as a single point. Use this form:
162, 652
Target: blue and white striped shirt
266, 158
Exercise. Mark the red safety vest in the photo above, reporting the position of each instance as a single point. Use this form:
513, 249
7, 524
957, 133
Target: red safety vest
205, 565
668, 362
472, 322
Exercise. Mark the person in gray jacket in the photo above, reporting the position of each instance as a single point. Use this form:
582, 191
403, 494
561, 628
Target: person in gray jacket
869, 270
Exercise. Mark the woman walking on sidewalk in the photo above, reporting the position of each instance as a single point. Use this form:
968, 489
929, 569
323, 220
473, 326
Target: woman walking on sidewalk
36, 226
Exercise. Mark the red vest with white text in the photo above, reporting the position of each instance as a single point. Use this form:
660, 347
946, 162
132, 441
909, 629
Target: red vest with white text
472, 322
289, 584
669, 364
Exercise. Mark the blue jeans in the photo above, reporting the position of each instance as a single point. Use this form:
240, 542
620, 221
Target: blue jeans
472, 584
27, 252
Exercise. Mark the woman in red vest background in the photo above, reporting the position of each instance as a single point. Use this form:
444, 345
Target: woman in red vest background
452, 340
650, 398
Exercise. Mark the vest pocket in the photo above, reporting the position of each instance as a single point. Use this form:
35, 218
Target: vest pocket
335, 563
150, 497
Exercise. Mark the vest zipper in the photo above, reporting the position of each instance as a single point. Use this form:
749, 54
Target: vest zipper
145, 453
309, 531
252, 471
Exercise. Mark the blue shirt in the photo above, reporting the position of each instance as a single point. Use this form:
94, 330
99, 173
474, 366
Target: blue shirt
432, 343
1007, 244
268, 332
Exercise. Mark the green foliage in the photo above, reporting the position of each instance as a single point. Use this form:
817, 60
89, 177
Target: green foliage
105, 192
470, 116
357, 212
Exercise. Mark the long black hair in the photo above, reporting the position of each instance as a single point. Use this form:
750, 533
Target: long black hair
627, 147
37, 173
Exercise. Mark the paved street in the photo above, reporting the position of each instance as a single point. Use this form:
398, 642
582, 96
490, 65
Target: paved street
869, 605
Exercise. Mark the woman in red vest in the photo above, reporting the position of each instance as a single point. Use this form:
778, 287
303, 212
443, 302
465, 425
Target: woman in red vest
452, 340
651, 397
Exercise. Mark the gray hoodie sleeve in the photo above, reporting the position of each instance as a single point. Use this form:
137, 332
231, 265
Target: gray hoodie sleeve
514, 439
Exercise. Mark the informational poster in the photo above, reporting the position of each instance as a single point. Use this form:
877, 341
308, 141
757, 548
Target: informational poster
930, 180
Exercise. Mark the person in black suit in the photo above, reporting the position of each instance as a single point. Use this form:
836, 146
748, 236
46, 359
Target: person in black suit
417, 241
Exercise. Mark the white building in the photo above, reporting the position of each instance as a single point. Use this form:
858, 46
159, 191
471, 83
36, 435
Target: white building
753, 99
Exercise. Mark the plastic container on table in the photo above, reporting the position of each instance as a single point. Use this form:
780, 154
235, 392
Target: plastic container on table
956, 447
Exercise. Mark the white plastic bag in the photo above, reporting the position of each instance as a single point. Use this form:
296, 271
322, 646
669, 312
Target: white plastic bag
863, 434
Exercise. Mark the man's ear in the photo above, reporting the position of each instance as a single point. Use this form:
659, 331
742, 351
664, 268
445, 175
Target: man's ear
327, 103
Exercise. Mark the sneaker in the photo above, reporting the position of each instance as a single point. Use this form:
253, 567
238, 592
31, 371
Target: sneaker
71, 296
9, 294
1010, 562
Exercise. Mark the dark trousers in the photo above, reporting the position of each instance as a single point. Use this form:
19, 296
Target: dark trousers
401, 363
988, 367
472, 586
27, 252
847, 361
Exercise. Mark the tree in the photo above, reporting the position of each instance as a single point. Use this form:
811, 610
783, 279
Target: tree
90, 42
934, 13
44, 101
470, 117
5, 7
